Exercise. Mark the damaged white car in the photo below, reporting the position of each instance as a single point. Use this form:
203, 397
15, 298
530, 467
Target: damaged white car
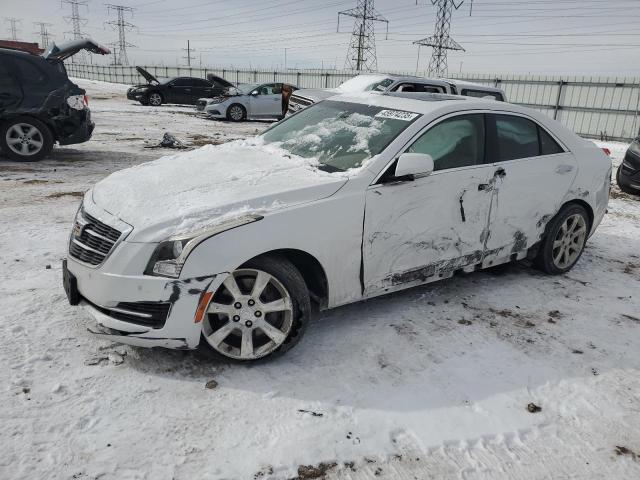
227, 247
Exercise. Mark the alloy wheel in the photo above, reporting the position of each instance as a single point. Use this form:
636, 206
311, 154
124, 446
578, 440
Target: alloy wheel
155, 99
24, 139
250, 315
236, 113
569, 241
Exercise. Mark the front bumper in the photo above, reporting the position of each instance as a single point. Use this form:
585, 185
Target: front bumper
216, 110
110, 292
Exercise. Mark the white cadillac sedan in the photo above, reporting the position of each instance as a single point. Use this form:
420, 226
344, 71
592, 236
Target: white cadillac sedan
227, 247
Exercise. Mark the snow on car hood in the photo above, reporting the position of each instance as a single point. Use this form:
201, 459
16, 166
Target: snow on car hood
181, 193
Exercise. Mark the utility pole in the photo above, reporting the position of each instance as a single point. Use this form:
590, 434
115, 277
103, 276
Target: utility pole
188, 58
440, 40
76, 23
362, 48
13, 27
122, 26
45, 36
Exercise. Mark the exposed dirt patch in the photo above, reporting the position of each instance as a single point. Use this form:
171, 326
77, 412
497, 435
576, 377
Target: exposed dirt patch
66, 194
307, 472
624, 451
36, 181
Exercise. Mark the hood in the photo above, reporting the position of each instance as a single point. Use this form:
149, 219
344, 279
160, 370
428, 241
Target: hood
315, 94
147, 76
189, 191
59, 53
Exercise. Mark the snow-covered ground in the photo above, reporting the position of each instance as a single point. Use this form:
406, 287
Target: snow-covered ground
433, 382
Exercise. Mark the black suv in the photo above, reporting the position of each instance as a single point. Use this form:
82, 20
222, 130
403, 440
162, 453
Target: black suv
39, 105
628, 175
180, 90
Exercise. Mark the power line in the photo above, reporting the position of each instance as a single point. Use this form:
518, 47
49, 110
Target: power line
361, 54
123, 26
44, 33
76, 23
13, 27
440, 40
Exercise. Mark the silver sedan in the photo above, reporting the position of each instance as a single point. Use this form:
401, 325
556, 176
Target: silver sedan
248, 101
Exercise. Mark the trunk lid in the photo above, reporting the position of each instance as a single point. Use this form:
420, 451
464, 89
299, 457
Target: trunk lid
59, 53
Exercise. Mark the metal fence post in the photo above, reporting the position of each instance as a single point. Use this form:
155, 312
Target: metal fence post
561, 84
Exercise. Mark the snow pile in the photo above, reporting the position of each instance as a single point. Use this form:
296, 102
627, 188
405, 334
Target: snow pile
359, 83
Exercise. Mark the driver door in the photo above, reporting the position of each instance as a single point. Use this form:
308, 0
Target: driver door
266, 101
423, 229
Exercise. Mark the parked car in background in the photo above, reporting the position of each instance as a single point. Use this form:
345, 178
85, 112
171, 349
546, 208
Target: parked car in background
628, 176
393, 83
248, 101
351, 198
180, 90
367, 83
39, 105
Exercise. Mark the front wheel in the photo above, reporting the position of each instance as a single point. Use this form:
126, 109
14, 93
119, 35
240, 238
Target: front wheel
564, 240
155, 99
25, 139
260, 310
236, 113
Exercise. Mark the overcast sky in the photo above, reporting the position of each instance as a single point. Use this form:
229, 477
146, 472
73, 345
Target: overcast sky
599, 37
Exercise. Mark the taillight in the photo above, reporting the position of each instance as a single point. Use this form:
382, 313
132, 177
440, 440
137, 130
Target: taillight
86, 100
606, 151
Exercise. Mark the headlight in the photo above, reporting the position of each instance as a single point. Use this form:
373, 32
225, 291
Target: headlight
215, 101
169, 256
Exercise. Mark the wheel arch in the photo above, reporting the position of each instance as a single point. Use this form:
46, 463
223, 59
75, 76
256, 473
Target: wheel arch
309, 267
585, 205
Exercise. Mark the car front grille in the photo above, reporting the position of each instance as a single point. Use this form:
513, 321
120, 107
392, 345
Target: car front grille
91, 240
297, 103
147, 314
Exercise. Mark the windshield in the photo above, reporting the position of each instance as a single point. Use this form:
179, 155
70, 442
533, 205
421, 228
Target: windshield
365, 83
339, 135
246, 87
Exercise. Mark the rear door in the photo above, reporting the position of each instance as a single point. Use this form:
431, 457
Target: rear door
36, 79
200, 89
536, 174
180, 91
10, 91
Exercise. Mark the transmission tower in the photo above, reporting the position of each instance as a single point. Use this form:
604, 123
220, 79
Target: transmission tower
76, 23
13, 27
189, 50
122, 26
45, 36
362, 48
440, 40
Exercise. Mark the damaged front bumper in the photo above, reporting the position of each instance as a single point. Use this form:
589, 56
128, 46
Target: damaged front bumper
140, 310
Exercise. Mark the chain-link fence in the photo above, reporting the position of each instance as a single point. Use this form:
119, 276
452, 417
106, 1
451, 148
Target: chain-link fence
595, 107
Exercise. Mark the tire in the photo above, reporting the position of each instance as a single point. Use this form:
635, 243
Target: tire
236, 117
25, 139
624, 188
232, 319
564, 240
155, 99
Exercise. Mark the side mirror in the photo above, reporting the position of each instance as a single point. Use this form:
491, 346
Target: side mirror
254, 93
414, 164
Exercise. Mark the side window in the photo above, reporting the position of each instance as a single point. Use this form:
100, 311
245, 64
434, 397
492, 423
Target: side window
517, 138
196, 82
455, 142
548, 146
418, 87
181, 82
481, 94
7, 82
29, 74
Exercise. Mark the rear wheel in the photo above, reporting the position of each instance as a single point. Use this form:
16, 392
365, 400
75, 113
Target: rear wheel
236, 113
564, 240
25, 139
260, 310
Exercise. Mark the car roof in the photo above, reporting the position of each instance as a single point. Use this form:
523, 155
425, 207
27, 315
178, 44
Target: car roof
17, 52
408, 78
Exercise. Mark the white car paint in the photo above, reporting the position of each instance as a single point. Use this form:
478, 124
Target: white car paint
256, 102
369, 238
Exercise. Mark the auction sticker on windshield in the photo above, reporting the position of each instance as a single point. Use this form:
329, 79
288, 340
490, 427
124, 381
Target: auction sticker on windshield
397, 115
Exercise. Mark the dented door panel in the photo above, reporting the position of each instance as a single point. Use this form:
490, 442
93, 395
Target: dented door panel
420, 231
525, 198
